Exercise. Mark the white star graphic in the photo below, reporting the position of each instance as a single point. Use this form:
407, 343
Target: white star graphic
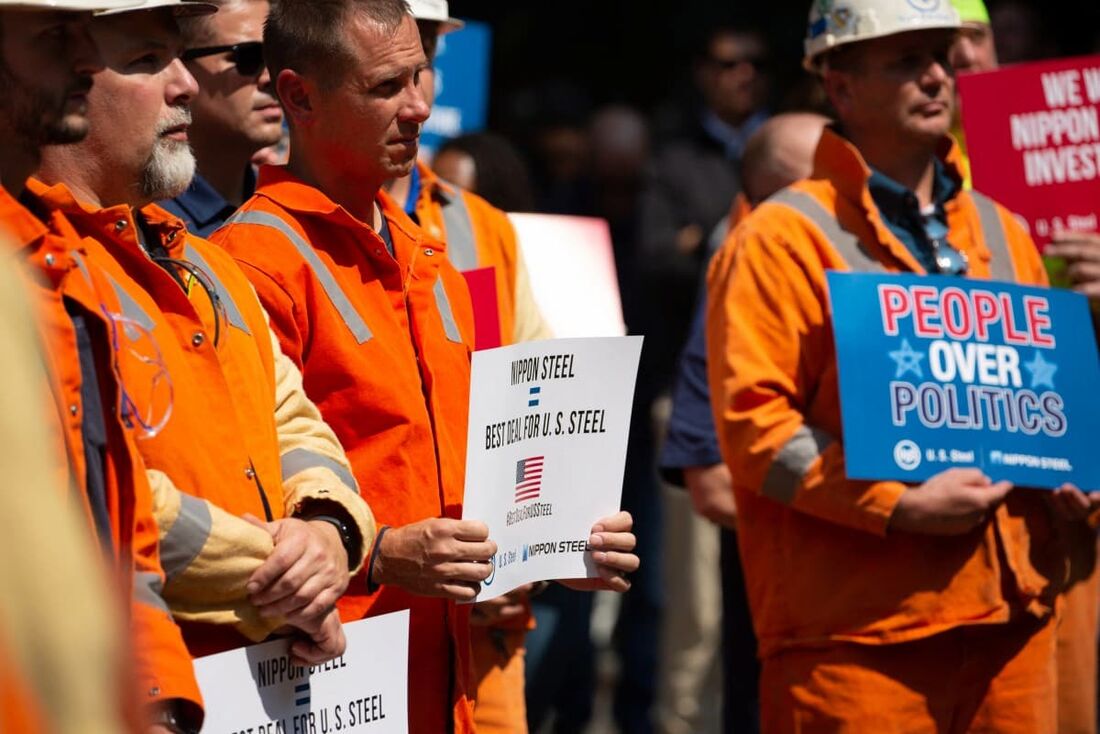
908, 360
1042, 371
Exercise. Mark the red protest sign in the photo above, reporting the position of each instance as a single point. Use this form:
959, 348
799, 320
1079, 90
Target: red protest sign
1033, 135
482, 283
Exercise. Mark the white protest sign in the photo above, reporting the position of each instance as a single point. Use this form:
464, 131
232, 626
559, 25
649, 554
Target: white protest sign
256, 690
546, 451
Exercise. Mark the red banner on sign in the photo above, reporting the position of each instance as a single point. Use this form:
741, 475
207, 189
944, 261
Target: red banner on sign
1033, 135
483, 293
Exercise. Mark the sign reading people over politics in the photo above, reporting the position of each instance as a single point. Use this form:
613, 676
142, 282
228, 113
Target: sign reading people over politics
546, 452
259, 690
1033, 137
938, 373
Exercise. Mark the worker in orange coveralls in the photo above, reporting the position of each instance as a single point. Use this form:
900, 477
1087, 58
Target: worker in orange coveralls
878, 606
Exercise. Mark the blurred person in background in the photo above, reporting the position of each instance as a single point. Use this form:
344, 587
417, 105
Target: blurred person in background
708, 638
621, 149
973, 51
234, 115
690, 184
1021, 32
489, 166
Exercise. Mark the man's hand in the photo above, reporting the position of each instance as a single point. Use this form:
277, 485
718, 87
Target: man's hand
436, 557
711, 491
1073, 504
305, 574
1081, 251
502, 608
324, 642
611, 543
953, 502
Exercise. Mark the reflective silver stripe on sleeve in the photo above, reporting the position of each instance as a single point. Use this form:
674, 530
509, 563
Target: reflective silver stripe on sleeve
844, 242
1001, 266
231, 310
185, 539
148, 590
459, 236
301, 459
444, 305
793, 461
335, 293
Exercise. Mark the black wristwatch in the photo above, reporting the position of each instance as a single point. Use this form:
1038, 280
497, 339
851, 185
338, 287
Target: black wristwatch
341, 527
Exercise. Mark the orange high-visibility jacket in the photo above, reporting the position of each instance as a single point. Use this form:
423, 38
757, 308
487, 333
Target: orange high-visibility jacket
384, 346
65, 273
820, 563
227, 445
478, 235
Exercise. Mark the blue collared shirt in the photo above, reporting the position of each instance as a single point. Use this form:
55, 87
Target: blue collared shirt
902, 212
202, 208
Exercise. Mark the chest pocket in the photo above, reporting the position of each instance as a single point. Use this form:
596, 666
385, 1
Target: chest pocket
855, 254
340, 301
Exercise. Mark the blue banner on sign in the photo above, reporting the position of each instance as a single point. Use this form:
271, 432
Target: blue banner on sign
461, 85
939, 372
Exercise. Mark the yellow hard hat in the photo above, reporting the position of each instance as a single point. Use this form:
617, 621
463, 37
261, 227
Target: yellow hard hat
835, 23
971, 11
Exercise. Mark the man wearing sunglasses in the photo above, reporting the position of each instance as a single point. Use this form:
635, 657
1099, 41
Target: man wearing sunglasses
242, 439
234, 114
867, 596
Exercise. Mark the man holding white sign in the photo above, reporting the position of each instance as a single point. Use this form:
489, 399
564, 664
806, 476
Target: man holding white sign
380, 324
879, 606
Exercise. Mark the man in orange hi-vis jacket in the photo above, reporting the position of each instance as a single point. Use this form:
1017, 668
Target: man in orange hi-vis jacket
230, 430
48, 60
381, 325
878, 606
478, 235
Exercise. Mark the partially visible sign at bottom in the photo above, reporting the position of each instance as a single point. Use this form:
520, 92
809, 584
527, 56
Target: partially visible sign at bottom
256, 690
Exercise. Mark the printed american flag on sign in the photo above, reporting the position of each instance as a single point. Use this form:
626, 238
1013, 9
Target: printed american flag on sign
528, 478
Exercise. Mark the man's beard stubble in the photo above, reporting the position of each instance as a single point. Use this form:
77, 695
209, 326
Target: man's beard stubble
171, 164
37, 117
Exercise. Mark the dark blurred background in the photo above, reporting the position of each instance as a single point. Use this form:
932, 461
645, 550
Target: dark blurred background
569, 56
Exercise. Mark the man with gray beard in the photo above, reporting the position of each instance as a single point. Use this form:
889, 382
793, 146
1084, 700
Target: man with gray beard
242, 440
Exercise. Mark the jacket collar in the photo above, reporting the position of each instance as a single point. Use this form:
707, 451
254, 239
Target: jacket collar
282, 187
113, 222
838, 161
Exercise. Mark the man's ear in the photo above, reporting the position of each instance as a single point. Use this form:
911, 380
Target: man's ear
296, 93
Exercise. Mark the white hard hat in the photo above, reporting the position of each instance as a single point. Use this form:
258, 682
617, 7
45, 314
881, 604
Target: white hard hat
74, 5
834, 23
436, 10
181, 7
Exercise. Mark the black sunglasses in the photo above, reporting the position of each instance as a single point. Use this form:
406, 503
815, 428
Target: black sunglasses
247, 57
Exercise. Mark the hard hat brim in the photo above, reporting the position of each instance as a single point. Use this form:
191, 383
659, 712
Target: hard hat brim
811, 62
181, 8
83, 6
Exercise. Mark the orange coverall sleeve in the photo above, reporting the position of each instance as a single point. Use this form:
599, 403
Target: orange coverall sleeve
163, 663
769, 344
